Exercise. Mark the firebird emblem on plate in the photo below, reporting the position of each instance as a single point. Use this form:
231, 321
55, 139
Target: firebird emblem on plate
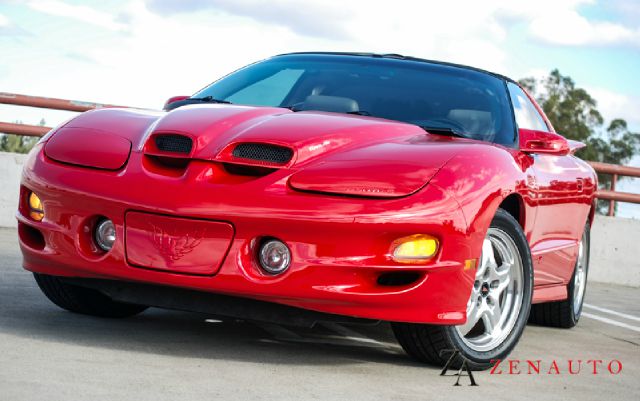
174, 245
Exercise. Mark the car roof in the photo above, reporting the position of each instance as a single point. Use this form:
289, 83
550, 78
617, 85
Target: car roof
401, 57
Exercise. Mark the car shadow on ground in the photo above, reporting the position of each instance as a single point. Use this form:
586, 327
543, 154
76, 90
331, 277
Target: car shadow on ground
25, 312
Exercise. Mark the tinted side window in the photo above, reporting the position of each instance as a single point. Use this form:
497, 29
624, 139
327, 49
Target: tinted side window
527, 115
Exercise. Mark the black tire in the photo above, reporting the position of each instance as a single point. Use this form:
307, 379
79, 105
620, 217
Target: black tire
564, 314
84, 300
426, 343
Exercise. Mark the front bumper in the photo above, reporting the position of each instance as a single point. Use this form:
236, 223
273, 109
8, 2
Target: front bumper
339, 245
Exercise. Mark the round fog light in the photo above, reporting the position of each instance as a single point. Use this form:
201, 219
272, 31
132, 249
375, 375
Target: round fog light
274, 256
105, 235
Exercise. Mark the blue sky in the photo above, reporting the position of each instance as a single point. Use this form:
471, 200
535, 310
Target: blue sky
140, 52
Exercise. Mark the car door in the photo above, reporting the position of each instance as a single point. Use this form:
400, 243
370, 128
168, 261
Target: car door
557, 187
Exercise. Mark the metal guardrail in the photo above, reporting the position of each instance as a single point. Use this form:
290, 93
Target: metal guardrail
23, 129
611, 194
43, 103
73, 105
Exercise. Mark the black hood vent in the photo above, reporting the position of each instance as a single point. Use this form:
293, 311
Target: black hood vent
263, 152
174, 143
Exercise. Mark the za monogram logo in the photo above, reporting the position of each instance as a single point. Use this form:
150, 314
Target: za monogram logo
464, 366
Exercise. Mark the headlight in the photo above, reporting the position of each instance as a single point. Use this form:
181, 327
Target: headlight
36, 211
414, 249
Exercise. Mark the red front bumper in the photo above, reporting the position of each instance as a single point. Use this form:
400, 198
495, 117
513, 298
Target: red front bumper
339, 245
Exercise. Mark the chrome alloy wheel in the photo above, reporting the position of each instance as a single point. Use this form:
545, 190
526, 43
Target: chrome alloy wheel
580, 276
496, 297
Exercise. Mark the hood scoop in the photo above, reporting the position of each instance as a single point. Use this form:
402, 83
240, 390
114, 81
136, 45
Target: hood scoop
262, 153
166, 144
173, 143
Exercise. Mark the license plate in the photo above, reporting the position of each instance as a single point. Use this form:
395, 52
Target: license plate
176, 244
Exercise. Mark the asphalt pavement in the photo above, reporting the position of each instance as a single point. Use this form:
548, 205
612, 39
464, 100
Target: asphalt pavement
50, 354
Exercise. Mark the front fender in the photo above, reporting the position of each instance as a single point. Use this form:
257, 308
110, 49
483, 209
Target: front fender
479, 179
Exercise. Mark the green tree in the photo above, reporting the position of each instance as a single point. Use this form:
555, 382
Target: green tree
574, 114
18, 143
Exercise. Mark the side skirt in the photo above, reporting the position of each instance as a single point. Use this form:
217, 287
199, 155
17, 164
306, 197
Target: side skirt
549, 293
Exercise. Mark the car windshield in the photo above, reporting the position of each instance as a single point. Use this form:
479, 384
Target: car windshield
462, 100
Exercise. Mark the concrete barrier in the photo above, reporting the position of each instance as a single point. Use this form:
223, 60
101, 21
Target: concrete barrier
614, 243
614, 240
10, 170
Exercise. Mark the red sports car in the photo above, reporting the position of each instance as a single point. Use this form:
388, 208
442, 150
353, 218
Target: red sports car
321, 186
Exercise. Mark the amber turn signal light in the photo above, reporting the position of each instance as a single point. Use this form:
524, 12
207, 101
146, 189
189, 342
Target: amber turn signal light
36, 211
414, 248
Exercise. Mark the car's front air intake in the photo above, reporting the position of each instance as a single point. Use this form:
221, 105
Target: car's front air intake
174, 143
272, 154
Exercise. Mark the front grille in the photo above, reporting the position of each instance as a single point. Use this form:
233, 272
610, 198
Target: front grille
263, 152
174, 143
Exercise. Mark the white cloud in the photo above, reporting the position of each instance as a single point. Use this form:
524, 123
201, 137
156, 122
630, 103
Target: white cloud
81, 13
560, 22
465, 32
9, 29
310, 19
4, 21
570, 28
617, 105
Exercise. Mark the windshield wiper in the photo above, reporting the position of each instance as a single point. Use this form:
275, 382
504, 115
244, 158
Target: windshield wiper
295, 108
447, 131
209, 99
359, 113
194, 100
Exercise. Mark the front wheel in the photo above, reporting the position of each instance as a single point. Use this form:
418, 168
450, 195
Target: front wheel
497, 309
83, 300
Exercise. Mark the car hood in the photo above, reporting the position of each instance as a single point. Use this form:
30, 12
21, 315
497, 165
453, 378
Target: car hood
331, 152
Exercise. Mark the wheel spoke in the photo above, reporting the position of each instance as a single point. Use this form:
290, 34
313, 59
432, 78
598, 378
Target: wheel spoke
496, 313
488, 323
473, 315
502, 278
491, 319
580, 253
487, 260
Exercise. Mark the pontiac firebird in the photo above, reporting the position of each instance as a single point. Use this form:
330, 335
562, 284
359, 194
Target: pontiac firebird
321, 186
